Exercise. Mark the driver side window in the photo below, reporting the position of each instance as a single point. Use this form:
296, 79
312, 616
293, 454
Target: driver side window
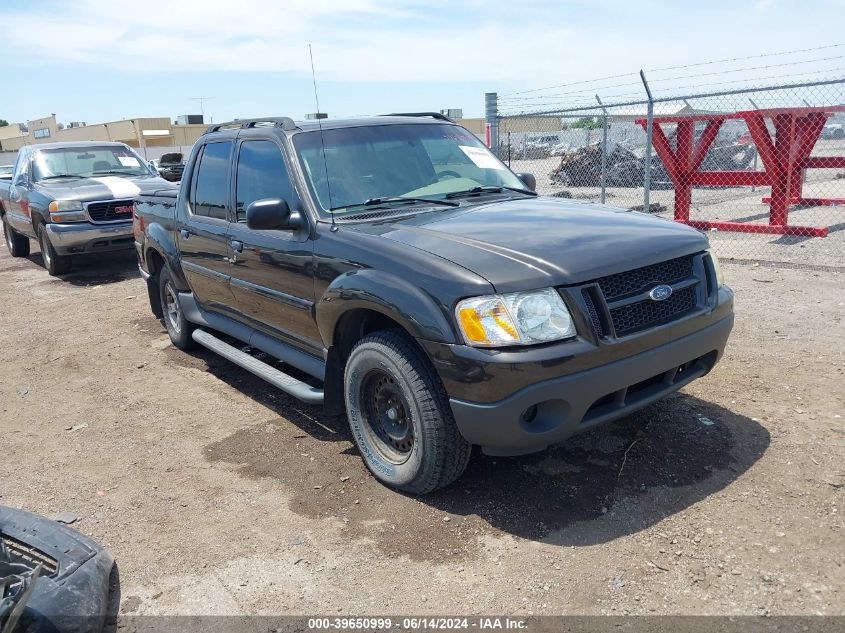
261, 174
20, 169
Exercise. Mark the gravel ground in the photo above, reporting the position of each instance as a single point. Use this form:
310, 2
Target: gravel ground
219, 495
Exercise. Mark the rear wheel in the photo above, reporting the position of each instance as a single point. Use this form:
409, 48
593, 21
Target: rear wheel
178, 328
54, 263
17, 244
400, 416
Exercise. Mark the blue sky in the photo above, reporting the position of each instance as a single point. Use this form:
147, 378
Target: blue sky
96, 60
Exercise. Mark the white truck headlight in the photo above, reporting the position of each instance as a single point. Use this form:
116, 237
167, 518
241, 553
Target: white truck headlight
66, 211
518, 318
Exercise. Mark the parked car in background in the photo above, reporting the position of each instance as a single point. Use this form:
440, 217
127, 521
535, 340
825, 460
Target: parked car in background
6, 172
744, 139
833, 131
171, 166
424, 289
73, 198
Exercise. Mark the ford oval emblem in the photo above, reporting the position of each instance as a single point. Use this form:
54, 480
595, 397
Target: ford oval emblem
660, 293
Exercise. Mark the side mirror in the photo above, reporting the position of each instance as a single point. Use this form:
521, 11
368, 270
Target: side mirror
272, 214
528, 180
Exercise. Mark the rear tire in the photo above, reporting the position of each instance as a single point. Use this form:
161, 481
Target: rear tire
17, 244
400, 415
178, 327
54, 263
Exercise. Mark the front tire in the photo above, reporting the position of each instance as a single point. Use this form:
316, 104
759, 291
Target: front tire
400, 416
17, 244
54, 263
178, 327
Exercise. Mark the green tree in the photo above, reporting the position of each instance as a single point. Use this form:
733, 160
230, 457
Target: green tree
590, 122
3, 123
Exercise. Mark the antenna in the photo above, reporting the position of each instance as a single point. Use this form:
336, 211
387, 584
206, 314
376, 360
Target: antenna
202, 101
322, 141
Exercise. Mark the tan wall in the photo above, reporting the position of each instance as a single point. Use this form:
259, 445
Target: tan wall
127, 131
13, 144
187, 134
88, 133
154, 123
10, 131
529, 124
48, 122
476, 126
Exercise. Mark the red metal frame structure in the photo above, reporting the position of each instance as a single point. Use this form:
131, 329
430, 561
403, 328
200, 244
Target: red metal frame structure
785, 155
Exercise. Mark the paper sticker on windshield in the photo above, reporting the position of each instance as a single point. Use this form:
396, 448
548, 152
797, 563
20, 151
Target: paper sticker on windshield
128, 161
481, 157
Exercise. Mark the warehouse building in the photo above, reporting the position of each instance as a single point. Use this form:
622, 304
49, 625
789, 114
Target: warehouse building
153, 136
141, 133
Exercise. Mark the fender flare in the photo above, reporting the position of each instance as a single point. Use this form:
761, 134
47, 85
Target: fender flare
159, 239
397, 298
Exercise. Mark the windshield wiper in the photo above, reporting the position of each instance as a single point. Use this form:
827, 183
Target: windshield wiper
61, 176
477, 191
113, 171
376, 203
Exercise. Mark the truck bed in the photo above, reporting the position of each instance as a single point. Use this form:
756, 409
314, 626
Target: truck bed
159, 207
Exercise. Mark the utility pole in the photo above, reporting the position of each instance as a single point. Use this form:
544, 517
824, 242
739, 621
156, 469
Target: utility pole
647, 159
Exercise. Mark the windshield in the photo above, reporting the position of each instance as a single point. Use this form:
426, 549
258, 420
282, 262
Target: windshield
381, 162
87, 161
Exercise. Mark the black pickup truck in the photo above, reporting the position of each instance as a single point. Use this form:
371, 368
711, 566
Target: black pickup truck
419, 286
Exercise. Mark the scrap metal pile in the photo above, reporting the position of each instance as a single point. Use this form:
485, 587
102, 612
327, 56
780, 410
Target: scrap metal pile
623, 168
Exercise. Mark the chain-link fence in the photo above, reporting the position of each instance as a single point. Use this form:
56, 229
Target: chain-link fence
762, 170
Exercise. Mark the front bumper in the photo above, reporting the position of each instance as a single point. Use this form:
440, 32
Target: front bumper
84, 237
510, 407
73, 592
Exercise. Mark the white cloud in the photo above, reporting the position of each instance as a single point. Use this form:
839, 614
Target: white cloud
528, 43
354, 40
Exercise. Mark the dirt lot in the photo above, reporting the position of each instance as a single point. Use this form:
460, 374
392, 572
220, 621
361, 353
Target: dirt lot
217, 494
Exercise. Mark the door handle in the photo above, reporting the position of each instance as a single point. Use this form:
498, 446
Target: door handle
237, 246
184, 234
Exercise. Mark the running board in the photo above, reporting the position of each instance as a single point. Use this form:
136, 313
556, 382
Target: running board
281, 380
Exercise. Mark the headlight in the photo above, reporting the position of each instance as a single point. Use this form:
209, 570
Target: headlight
720, 279
519, 318
66, 211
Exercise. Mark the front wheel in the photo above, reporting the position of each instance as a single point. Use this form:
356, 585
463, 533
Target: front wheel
400, 416
17, 244
54, 263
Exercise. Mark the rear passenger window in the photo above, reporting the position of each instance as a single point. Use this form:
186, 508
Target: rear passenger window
211, 182
261, 174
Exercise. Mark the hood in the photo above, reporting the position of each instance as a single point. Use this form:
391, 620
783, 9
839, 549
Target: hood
540, 242
100, 187
171, 158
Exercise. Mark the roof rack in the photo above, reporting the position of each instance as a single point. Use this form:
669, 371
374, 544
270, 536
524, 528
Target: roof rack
284, 122
434, 115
